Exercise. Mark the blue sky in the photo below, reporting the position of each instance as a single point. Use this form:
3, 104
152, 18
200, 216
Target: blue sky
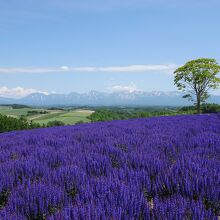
106, 45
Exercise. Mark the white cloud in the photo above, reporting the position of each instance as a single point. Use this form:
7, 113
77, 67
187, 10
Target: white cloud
18, 92
64, 67
164, 68
123, 88
30, 70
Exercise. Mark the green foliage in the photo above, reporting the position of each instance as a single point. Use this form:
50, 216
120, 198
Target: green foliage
11, 124
35, 112
33, 124
210, 108
23, 118
55, 123
54, 108
109, 114
114, 113
187, 108
79, 122
205, 108
196, 78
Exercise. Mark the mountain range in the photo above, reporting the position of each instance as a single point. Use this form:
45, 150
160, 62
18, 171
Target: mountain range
95, 98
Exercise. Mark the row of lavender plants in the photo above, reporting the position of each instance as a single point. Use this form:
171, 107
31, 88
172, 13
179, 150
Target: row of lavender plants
155, 168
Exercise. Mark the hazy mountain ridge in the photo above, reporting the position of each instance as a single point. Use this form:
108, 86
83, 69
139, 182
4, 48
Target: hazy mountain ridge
95, 98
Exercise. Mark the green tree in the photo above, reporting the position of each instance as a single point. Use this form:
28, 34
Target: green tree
196, 78
11, 124
79, 122
55, 123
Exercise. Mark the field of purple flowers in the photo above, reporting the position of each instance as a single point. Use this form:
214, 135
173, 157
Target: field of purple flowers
155, 168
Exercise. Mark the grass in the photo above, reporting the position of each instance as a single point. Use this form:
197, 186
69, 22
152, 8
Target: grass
9, 111
67, 116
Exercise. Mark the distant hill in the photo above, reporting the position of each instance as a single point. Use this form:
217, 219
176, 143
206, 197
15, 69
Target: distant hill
94, 98
7, 101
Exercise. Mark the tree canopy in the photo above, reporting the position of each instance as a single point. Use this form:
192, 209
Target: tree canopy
196, 78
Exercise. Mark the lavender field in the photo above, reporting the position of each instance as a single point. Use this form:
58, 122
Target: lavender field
156, 168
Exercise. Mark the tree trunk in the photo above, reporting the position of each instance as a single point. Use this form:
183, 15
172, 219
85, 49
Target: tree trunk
198, 105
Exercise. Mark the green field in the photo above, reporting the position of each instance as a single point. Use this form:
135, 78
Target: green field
68, 116
9, 111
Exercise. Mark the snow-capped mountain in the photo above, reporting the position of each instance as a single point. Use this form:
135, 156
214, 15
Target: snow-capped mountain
95, 98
